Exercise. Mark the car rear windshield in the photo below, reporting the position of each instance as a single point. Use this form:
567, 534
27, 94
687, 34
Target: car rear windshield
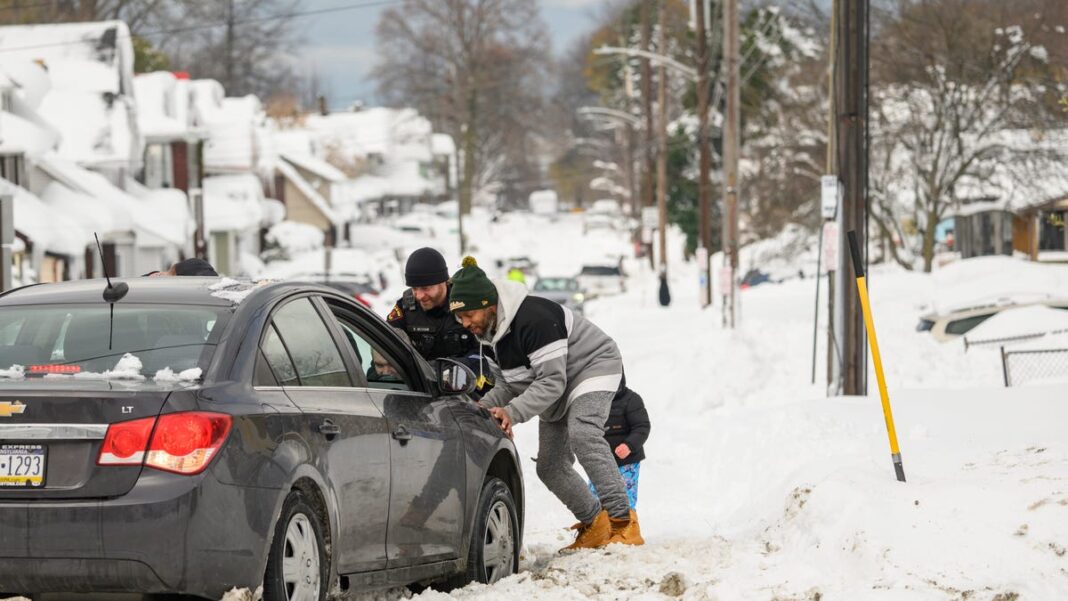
90, 340
556, 285
600, 270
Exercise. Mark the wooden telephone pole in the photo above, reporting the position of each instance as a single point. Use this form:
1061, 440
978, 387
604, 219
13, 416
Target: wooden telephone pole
705, 151
731, 150
661, 142
851, 105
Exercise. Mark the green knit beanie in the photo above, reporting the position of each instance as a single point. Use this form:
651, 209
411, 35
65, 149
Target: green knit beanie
471, 288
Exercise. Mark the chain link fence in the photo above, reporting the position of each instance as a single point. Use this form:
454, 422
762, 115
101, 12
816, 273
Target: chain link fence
1034, 365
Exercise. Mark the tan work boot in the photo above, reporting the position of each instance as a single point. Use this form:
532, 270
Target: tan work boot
626, 532
592, 535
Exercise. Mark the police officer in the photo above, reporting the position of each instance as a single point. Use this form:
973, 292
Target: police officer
423, 313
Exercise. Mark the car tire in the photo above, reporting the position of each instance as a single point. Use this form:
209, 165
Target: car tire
494, 552
298, 567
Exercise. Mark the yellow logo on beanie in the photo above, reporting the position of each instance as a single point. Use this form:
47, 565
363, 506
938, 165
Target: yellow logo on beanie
454, 305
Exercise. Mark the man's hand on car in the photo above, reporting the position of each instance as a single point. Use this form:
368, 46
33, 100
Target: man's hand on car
503, 420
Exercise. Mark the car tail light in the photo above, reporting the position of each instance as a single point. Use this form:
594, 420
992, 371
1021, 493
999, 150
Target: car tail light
363, 301
125, 442
55, 369
183, 443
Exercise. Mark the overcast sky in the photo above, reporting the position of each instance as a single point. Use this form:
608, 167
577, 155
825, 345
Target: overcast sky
341, 45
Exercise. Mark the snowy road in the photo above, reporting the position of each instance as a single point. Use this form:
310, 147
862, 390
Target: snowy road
758, 487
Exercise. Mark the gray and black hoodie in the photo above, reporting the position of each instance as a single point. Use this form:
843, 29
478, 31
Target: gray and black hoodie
548, 356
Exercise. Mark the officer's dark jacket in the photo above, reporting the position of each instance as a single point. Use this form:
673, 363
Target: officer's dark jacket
434, 333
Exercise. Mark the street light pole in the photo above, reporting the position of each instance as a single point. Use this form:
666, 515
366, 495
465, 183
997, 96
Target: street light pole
704, 179
661, 156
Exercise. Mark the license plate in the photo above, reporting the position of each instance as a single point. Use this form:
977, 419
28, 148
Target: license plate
22, 465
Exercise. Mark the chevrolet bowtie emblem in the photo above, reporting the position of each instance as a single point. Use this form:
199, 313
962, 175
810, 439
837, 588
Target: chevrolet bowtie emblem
9, 409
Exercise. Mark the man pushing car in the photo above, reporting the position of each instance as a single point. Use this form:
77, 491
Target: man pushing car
563, 369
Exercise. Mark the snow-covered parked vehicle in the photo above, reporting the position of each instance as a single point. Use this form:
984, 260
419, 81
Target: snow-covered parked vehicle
602, 279
563, 290
195, 435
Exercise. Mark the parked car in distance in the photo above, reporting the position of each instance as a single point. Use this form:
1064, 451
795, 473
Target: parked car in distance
563, 290
754, 277
523, 263
196, 435
601, 280
950, 324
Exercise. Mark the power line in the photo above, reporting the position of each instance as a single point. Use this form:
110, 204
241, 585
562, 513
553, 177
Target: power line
201, 26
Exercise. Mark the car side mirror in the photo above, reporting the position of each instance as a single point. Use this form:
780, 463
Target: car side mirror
455, 377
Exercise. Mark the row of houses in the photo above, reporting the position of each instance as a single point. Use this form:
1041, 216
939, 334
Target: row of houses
162, 167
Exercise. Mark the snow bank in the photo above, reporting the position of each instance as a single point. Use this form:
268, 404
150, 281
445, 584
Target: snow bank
294, 238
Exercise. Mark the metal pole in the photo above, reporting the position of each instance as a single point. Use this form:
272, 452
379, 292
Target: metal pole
731, 148
851, 103
7, 239
704, 181
816, 310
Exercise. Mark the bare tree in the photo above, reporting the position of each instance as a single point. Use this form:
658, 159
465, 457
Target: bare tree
475, 68
959, 91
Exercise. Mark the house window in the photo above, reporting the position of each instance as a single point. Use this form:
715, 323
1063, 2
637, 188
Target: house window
13, 169
159, 167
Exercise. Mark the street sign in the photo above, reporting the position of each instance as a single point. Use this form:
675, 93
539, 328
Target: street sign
830, 245
828, 196
725, 280
651, 217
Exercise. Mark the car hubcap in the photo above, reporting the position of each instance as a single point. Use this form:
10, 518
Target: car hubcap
300, 561
498, 555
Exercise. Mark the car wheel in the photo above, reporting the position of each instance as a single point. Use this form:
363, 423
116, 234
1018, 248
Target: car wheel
297, 566
494, 552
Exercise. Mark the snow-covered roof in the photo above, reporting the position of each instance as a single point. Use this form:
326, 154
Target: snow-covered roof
18, 134
234, 143
90, 66
232, 202
309, 192
163, 106
48, 227
981, 206
388, 132
315, 165
146, 219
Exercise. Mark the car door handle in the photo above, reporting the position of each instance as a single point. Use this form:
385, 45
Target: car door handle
329, 429
402, 435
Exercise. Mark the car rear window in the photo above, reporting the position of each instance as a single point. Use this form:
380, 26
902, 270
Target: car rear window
90, 339
600, 270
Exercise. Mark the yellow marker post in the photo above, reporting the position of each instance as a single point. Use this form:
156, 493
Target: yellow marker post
869, 325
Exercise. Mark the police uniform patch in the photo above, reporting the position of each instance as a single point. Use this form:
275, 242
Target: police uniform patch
395, 314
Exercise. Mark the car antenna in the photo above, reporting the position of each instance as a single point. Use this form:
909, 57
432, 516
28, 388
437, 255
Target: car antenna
112, 294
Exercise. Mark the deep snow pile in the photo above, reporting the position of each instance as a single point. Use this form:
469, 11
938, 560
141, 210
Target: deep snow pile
759, 487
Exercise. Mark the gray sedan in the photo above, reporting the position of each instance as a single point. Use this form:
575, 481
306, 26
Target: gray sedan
189, 436
563, 290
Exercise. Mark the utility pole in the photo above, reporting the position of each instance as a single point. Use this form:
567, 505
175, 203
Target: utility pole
851, 105
647, 110
731, 151
704, 180
661, 154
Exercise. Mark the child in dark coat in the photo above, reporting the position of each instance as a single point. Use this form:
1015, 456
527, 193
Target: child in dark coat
626, 431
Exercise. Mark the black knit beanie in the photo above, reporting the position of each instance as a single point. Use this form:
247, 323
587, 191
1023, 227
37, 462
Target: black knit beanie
425, 267
471, 288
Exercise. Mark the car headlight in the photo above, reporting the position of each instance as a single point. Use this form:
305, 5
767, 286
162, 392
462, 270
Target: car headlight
578, 298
